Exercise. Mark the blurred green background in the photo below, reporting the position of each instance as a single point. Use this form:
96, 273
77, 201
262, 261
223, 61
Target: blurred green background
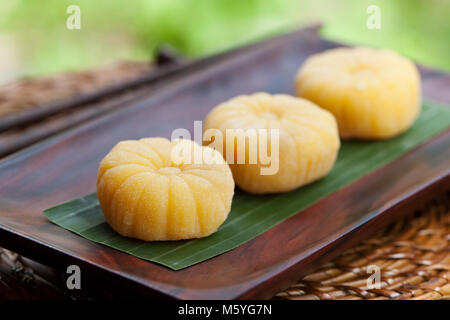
34, 38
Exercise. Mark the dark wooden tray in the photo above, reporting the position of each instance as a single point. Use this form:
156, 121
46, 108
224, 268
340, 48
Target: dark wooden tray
64, 167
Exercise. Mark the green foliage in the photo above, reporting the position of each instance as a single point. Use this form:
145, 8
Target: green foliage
115, 29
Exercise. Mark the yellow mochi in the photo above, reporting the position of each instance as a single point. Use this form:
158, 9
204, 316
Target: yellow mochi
373, 94
308, 140
147, 193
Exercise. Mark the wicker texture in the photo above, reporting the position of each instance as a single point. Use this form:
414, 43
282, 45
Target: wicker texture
28, 92
413, 255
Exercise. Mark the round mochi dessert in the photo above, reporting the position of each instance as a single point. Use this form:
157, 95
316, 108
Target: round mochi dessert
296, 141
374, 94
156, 189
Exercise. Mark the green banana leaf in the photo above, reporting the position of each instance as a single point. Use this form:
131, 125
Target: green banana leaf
251, 215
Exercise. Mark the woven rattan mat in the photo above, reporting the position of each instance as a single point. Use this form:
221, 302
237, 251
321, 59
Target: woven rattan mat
28, 92
411, 255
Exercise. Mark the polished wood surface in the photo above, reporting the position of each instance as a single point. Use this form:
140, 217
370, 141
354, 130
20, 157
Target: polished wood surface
64, 167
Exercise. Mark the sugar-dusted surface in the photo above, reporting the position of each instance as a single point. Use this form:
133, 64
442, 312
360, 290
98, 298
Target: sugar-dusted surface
148, 190
374, 94
301, 139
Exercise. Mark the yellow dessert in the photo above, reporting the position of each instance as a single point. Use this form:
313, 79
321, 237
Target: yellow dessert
301, 141
148, 189
373, 94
